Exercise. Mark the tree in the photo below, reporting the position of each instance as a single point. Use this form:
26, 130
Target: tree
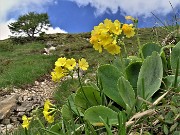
30, 24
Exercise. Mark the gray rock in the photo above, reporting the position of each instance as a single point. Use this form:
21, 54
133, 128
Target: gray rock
9, 126
13, 119
20, 114
6, 105
21, 109
6, 121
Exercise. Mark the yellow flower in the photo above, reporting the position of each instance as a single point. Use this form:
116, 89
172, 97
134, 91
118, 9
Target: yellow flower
60, 62
58, 74
47, 115
97, 47
70, 64
83, 64
50, 118
26, 121
47, 105
116, 28
48, 111
105, 38
104, 35
113, 49
129, 18
108, 24
128, 30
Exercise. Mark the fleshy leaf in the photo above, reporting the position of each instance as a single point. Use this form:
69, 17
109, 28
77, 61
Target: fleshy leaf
127, 93
94, 113
109, 76
150, 76
175, 55
148, 48
132, 72
86, 97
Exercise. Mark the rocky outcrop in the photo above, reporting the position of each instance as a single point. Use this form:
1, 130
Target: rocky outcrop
22, 101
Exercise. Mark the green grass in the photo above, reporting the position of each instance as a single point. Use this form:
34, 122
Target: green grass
23, 64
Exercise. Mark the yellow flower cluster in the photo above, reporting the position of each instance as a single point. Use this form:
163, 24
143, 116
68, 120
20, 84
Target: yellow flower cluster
106, 35
26, 121
63, 66
49, 111
128, 30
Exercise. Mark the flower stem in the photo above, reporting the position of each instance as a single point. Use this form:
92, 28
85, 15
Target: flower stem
40, 123
138, 41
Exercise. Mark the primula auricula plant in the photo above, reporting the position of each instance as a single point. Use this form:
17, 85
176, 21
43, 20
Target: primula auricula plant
108, 35
125, 89
64, 67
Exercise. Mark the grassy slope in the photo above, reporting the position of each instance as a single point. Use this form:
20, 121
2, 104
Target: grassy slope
23, 64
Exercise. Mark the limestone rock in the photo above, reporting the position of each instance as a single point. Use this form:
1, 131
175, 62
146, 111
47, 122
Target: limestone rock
6, 105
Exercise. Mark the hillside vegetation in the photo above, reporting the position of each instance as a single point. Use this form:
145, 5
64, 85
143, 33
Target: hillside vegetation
22, 64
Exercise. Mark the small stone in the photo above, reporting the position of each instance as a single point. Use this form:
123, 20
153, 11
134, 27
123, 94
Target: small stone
28, 108
30, 98
21, 109
9, 126
36, 83
42, 83
2, 125
6, 121
20, 114
20, 99
25, 98
14, 119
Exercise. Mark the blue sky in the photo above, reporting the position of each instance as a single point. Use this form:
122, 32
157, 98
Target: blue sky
74, 16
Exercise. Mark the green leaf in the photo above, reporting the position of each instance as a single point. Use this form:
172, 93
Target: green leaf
132, 72
175, 55
173, 127
122, 119
69, 108
94, 113
165, 129
109, 76
127, 93
56, 128
169, 81
148, 48
169, 118
150, 76
108, 129
86, 97
176, 133
117, 62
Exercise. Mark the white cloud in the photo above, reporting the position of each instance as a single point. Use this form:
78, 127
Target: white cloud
22, 7
5, 32
131, 7
52, 30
